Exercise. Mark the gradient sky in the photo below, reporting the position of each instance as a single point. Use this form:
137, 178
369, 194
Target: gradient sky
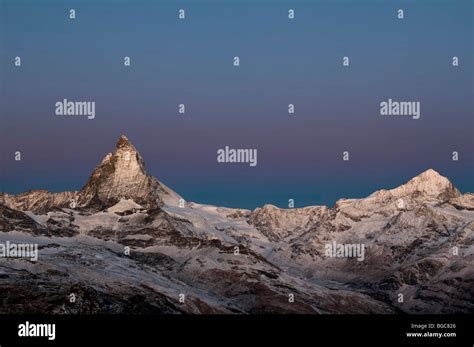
282, 61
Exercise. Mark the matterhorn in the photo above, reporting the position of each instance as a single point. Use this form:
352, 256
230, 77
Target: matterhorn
122, 175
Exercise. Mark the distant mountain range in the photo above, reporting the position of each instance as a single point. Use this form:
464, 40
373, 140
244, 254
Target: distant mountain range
126, 243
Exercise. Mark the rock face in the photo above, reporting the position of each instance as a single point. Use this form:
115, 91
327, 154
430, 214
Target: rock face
39, 201
121, 174
280, 224
418, 240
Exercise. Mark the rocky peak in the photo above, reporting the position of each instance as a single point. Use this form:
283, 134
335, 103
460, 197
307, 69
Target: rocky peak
122, 175
124, 142
428, 184
429, 187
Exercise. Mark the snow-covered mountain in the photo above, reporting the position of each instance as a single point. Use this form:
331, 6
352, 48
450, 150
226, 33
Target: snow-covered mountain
127, 243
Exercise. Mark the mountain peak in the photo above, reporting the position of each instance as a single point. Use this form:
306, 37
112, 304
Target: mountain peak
428, 184
429, 179
124, 142
430, 174
122, 175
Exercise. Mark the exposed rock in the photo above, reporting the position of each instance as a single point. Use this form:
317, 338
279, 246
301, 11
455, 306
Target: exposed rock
122, 175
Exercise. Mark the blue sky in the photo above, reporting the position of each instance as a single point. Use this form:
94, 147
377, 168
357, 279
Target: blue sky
282, 61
